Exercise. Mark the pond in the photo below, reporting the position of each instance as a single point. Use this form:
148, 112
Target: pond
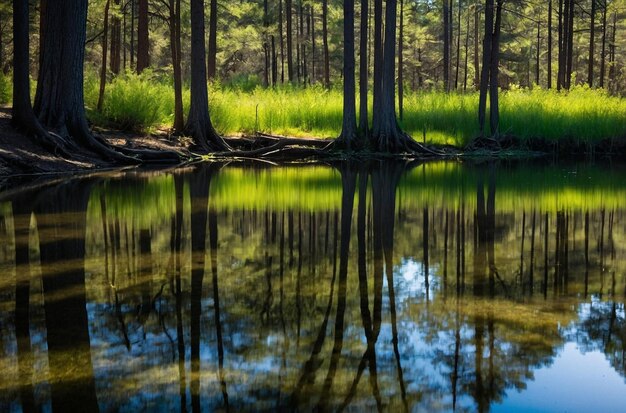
487, 286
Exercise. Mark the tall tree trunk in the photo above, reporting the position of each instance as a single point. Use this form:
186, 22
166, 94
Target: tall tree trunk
401, 63
603, 54
103, 69
494, 108
212, 57
537, 67
561, 73
289, 16
458, 47
266, 49
476, 49
378, 61
23, 117
549, 44
325, 43
348, 132
312, 13
363, 70
467, 37
132, 33
570, 45
116, 41
143, 41
199, 125
446, 45
592, 35
486, 67
174, 23
282, 41
59, 101
302, 40
612, 62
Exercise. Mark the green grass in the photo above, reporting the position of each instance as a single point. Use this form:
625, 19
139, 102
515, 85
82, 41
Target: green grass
141, 103
6, 91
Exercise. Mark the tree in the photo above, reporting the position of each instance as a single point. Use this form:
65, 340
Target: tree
212, 69
199, 125
349, 131
324, 40
363, 70
289, 16
175, 46
103, 68
143, 40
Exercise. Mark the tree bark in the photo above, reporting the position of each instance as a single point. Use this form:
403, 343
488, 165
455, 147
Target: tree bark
494, 108
603, 54
174, 23
348, 132
212, 57
282, 41
116, 41
378, 60
592, 35
363, 70
486, 67
401, 64
103, 69
266, 49
132, 33
289, 16
313, 49
549, 44
325, 43
458, 47
561, 65
446, 46
476, 48
570, 45
143, 40
199, 125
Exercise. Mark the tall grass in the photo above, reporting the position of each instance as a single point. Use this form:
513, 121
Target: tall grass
143, 102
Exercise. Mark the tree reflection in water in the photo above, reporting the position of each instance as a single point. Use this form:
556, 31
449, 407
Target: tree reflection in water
424, 295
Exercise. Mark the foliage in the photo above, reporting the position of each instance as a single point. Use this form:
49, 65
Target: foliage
5, 89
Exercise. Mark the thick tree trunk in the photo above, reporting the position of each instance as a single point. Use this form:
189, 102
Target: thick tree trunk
103, 69
132, 33
313, 48
199, 125
289, 16
570, 45
538, 54
592, 35
143, 40
467, 38
363, 71
302, 41
458, 47
59, 102
378, 60
561, 65
348, 132
549, 44
266, 48
174, 23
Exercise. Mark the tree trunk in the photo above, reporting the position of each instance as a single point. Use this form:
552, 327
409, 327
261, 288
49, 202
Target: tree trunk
212, 57
486, 68
378, 60
538, 53
103, 69
476, 49
549, 44
325, 43
494, 109
174, 23
59, 101
302, 41
570, 45
612, 68
289, 16
143, 41
561, 72
282, 41
446, 46
603, 54
592, 35
116, 41
312, 12
401, 63
458, 48
467, 37
363, 71
348, 132
199, 125
266, 49
132, 33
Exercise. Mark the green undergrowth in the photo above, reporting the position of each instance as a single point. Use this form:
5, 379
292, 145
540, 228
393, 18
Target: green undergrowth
145, 102
5, 89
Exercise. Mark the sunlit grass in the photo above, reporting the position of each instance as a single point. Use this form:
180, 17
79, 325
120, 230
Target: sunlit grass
144, 102
6, 91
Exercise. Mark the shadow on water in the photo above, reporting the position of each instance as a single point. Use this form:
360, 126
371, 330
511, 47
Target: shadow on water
387, 286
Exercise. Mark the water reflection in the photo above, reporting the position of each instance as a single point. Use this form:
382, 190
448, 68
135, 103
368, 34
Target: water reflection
378, 286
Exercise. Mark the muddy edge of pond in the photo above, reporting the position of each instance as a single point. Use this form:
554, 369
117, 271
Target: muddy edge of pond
19, 157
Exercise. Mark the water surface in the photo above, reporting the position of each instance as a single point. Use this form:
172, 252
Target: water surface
382, 286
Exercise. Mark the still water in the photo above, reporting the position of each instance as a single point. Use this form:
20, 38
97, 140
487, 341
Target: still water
382, 286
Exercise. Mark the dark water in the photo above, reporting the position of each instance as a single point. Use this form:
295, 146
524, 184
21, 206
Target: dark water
396, 287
